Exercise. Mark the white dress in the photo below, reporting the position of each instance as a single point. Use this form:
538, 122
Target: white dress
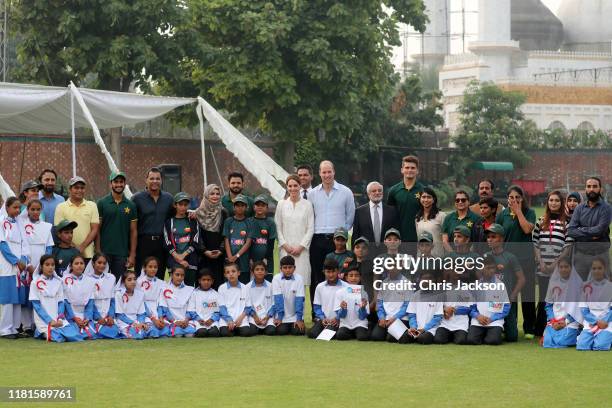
295, 226
434, 227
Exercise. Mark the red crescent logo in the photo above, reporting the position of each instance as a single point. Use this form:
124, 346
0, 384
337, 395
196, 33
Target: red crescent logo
7, 225
146, 285
125, 298
29, 229
69, 281
97, 287
588, 289
41, 285
168, 293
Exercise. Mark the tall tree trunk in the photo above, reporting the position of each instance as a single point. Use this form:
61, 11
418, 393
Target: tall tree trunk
287, 155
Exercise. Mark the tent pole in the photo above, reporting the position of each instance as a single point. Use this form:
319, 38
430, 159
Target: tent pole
99, 141
202, 145
74, 173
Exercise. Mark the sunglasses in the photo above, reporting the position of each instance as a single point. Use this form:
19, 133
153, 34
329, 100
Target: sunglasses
461, 200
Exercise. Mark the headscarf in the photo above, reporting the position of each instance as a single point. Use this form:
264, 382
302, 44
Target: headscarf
566, 292
578, 197
208, 214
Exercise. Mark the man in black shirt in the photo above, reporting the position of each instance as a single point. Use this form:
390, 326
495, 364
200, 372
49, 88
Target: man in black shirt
154, 207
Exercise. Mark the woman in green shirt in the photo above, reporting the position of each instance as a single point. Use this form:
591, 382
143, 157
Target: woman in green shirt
518, 221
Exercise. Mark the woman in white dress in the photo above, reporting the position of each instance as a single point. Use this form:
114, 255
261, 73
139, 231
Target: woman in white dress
430, 219
295, 226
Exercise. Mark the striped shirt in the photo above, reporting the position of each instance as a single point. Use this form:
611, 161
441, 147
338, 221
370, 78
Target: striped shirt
551, 240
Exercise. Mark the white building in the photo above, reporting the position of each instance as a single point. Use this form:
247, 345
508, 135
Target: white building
562, 63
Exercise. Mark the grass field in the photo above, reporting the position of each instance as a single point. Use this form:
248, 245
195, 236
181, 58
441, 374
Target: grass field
290, 371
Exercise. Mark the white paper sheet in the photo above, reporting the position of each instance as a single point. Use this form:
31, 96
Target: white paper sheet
326, 335
397, 329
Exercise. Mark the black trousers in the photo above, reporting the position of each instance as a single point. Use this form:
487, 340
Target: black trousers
478, 335
245, 331
212, 332
269, 330
321, 245
318, 327
116, 265
423, 338
151, 246
380, 334
541, 319
288, 328
528, 292
445, 336
359, 333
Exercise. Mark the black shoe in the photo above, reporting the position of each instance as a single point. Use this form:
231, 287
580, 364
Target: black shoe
24, 335
10, 336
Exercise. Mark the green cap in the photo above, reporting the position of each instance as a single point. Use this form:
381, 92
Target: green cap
240, 198
30, 184
361, 240
65, 224
496, 229
393, 231
116, 174
463, 230
425, 236
341, 232
178, 197
261, 199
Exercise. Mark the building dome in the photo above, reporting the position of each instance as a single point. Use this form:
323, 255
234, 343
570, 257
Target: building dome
535, 26
586, 24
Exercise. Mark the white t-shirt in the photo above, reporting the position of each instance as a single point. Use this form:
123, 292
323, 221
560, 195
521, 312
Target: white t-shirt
261, 301
49, 292
235, 299
205, 303
176, 299
353, 296
425, 309
290, 289
457, 299
324, 296
489, 302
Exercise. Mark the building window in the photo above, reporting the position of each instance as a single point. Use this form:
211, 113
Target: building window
556, 125
586, 125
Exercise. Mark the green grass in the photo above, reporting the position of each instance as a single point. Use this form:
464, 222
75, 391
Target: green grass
293, 371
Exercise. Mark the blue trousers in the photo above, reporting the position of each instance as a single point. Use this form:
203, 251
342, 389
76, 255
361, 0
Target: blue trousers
151, 332
176, 331
599, 342
565, 337
61, 334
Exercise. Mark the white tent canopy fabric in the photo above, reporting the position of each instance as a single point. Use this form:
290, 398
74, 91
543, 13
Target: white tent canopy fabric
53, 110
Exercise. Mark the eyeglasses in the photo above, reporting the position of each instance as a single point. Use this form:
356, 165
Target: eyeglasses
460, 200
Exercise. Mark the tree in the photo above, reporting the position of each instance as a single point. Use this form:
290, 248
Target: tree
492, 127
298, 69
113, 42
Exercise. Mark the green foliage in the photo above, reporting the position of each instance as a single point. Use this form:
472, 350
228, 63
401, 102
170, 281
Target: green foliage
492, 128
116, 41
573, 139
295, 68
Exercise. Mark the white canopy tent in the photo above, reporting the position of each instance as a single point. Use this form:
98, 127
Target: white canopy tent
52, 110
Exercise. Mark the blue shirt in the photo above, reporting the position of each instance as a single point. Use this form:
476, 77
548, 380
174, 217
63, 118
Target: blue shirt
334, 210
48, 205
587, 222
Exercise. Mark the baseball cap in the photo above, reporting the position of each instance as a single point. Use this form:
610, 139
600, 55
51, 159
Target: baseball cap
361, 240
496, 229
30, 184
240, 198
116, 174
76, 179
393, 231
425, 236
341, 232
261, 199
463, 230
178, 197
65, 224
